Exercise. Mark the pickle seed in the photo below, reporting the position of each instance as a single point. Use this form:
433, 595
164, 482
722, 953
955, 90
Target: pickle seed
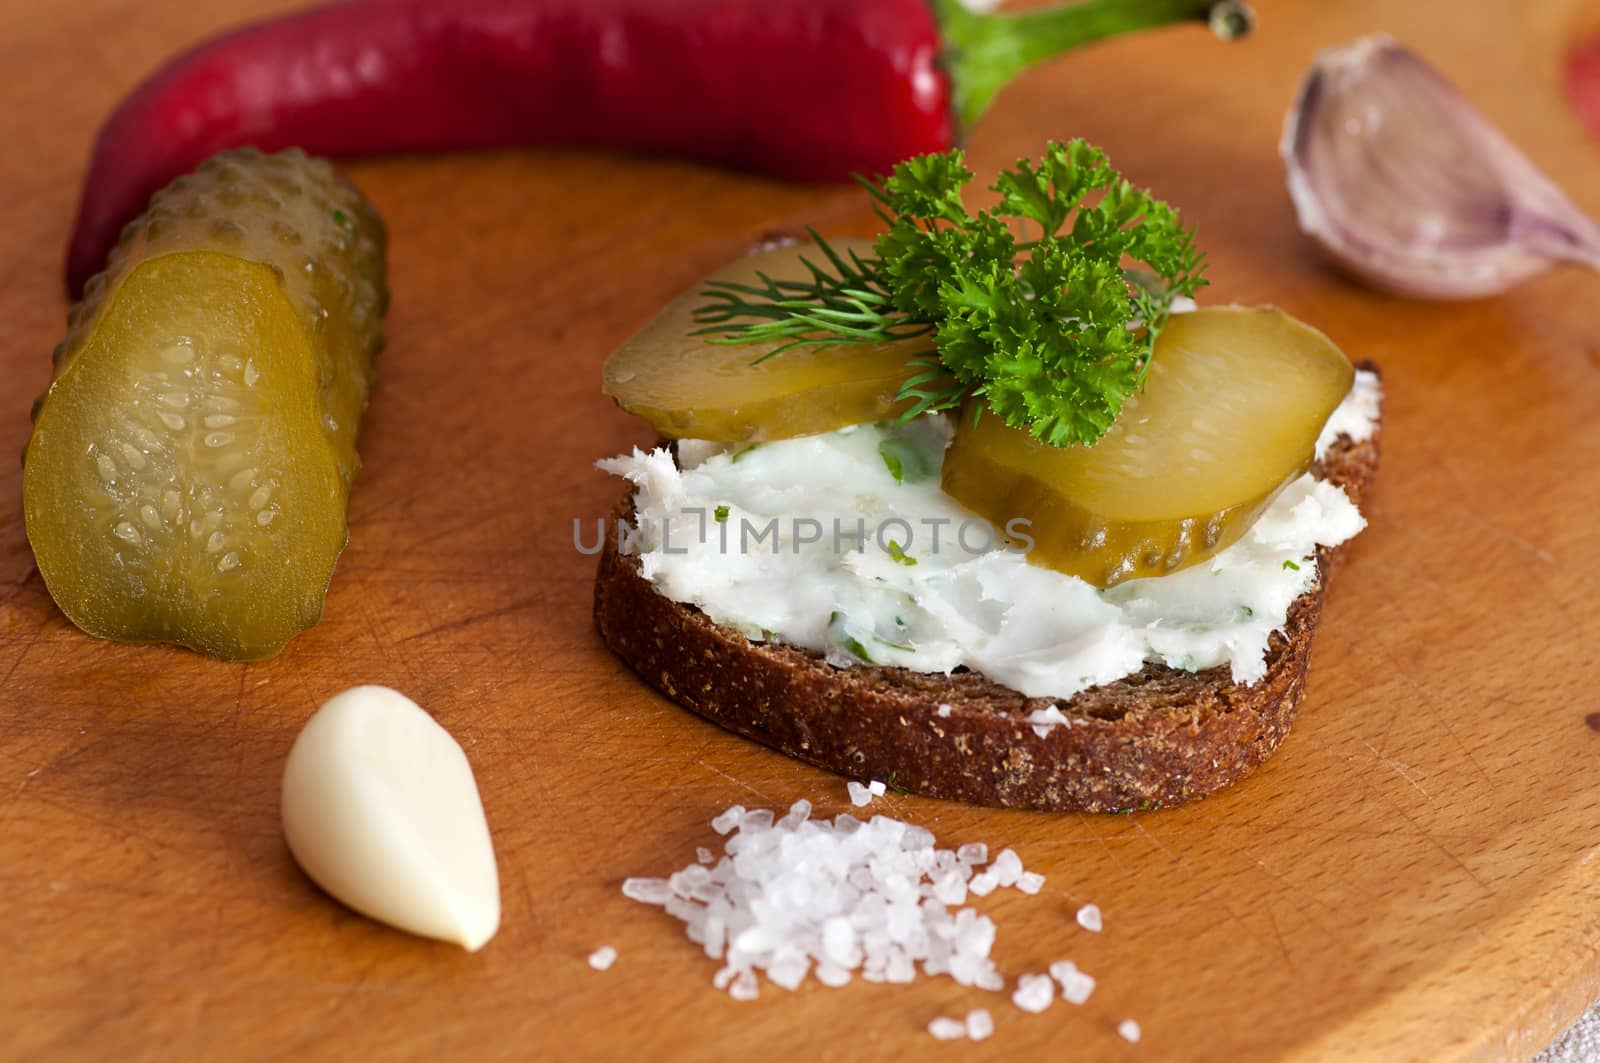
132, 456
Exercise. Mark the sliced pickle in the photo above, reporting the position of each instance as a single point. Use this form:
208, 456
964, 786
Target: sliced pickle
690, 388
187, 475
1229, 416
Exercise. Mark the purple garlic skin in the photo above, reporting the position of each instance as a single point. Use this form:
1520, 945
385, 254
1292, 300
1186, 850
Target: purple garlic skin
1412, 190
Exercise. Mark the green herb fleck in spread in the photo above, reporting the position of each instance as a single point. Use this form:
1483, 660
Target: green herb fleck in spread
898, 555
904, 461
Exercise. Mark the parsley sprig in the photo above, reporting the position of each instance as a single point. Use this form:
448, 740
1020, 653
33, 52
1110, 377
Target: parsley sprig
1051, 334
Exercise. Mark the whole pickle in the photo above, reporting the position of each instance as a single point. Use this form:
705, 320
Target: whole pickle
191, 459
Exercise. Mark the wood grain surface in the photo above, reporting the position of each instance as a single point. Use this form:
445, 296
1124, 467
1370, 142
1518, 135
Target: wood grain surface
1412, 876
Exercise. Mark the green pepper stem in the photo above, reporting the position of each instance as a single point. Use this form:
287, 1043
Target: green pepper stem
983, 53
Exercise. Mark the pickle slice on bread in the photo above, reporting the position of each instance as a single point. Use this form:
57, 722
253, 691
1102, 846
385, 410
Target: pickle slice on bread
1229, 415
189, 466
689, 387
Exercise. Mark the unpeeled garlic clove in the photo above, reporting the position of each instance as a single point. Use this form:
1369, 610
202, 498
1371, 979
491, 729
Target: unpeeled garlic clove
381, 810
1411, 189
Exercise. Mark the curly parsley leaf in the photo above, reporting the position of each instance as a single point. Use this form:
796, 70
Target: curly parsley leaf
1050, 334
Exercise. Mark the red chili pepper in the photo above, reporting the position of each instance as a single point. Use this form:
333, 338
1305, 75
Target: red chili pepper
1583, 84
810, 90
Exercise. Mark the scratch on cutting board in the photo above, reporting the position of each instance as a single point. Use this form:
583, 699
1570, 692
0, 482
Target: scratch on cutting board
1308, 902
1534, 549
115, 828
1277, 932
766, 798
1442, 719
1463, 490
1419, 830
33, 640
1211, 893
1089, 824
12, 590
1398, 768
26, 779
347, 992
477, 618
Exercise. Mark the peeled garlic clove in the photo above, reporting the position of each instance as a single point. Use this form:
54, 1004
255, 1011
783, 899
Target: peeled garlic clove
381, 810
1411, 189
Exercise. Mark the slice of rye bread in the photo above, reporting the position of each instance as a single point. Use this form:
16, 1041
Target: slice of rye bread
1158, 737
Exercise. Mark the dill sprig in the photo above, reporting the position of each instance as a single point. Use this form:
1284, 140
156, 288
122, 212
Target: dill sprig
1051, 334
845, 301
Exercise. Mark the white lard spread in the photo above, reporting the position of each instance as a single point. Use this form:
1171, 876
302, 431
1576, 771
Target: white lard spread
924, 586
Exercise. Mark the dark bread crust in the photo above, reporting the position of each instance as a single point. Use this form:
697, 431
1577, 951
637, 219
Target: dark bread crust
1158, 737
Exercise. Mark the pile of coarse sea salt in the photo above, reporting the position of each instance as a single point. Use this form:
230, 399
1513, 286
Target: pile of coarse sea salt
845, 898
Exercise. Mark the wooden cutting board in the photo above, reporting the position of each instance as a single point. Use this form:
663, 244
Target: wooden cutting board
1410, 877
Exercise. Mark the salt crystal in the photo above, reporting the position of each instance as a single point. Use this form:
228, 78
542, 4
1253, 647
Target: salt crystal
683, 909
685, 882
744, 986
830, 975
973, 853
1030, 882
1089, 918
889, 830
647, 890
1129, 1030
900, 968
1006, 868
878, 789
964, 970
728, 820
980, 1024
757, 819
1075, 985
1035, 992
715, 935
602, 958
944, 712
1047, 718
839, 941
990, 979
758, 938
721, 979
982, 884
947, 1029
977, 938
798, 813
950, 888
860, 796
788, 967
704, 855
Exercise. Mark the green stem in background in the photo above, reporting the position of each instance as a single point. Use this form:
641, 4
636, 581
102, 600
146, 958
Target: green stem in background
983, 52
